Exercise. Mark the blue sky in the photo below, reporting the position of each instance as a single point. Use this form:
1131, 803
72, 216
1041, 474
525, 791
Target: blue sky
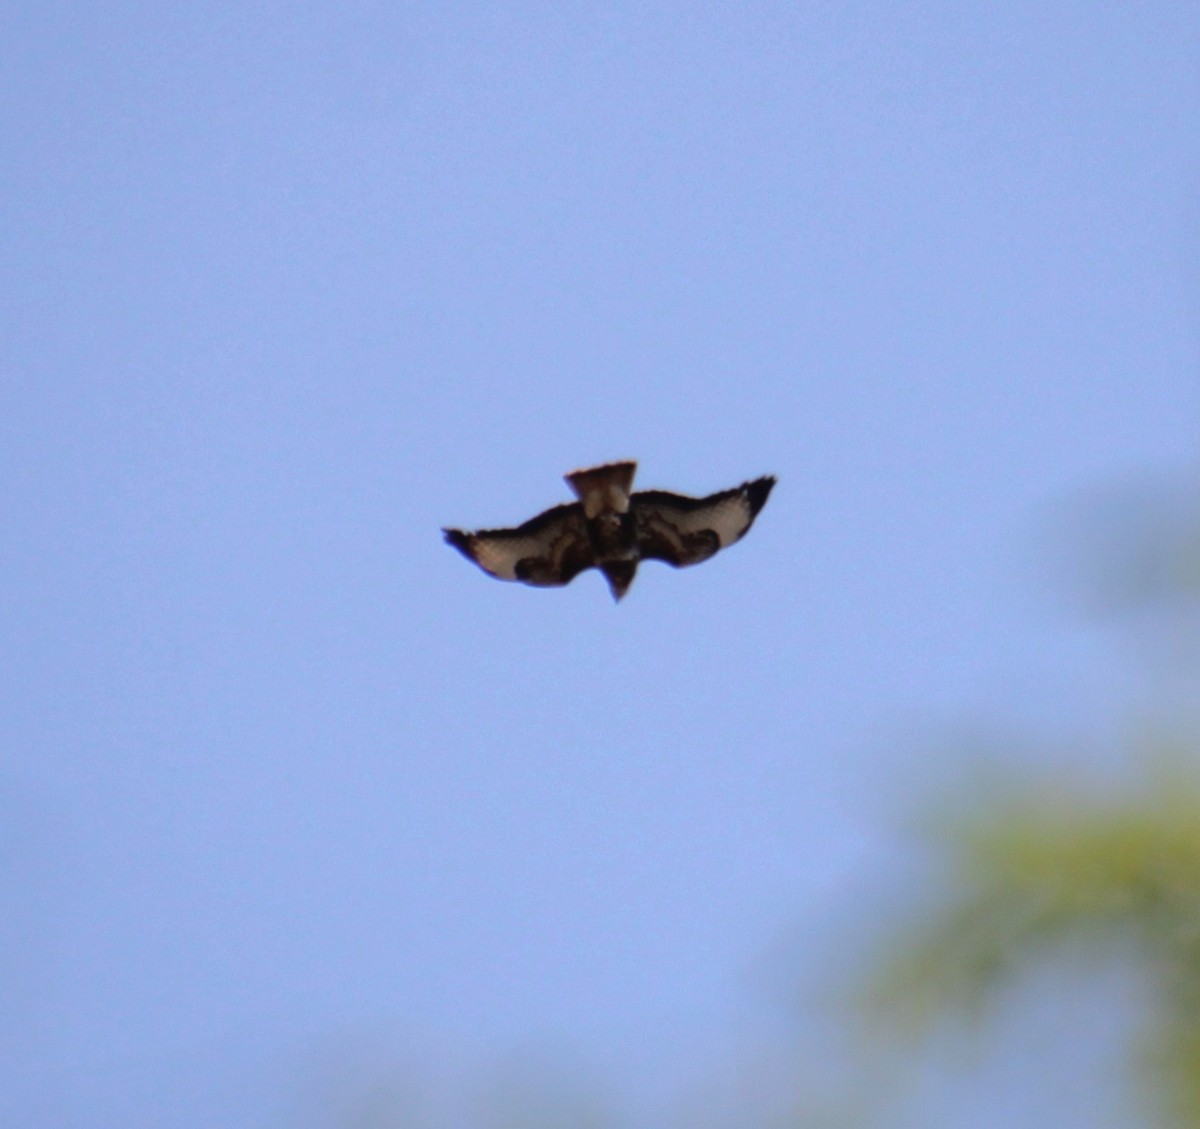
289, 287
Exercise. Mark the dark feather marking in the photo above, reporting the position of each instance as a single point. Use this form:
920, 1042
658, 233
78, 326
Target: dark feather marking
685, 531
535, 524
756, 494
758, 491
460, 540
548, 550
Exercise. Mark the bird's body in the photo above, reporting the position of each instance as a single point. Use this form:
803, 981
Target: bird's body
613, 529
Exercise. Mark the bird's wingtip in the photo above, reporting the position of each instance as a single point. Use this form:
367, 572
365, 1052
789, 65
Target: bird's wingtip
457, 538
758, 491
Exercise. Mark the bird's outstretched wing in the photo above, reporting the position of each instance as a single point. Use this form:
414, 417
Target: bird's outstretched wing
548, 550
685, 531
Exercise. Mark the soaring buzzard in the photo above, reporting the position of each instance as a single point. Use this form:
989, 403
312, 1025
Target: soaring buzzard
611, 529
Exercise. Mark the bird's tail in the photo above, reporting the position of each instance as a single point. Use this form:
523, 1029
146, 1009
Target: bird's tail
603, 487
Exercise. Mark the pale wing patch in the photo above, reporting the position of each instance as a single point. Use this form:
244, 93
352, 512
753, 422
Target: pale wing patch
499, 555
551, 549
727, 515
686, 531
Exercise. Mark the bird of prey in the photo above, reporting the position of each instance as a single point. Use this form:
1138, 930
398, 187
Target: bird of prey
613, 529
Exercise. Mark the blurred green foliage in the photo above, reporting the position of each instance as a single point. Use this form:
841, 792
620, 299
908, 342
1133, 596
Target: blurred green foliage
1079, 867
1055, 869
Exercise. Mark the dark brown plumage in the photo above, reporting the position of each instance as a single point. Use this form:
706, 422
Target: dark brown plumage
612, 529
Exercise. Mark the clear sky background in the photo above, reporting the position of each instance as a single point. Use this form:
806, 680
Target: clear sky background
285, 782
